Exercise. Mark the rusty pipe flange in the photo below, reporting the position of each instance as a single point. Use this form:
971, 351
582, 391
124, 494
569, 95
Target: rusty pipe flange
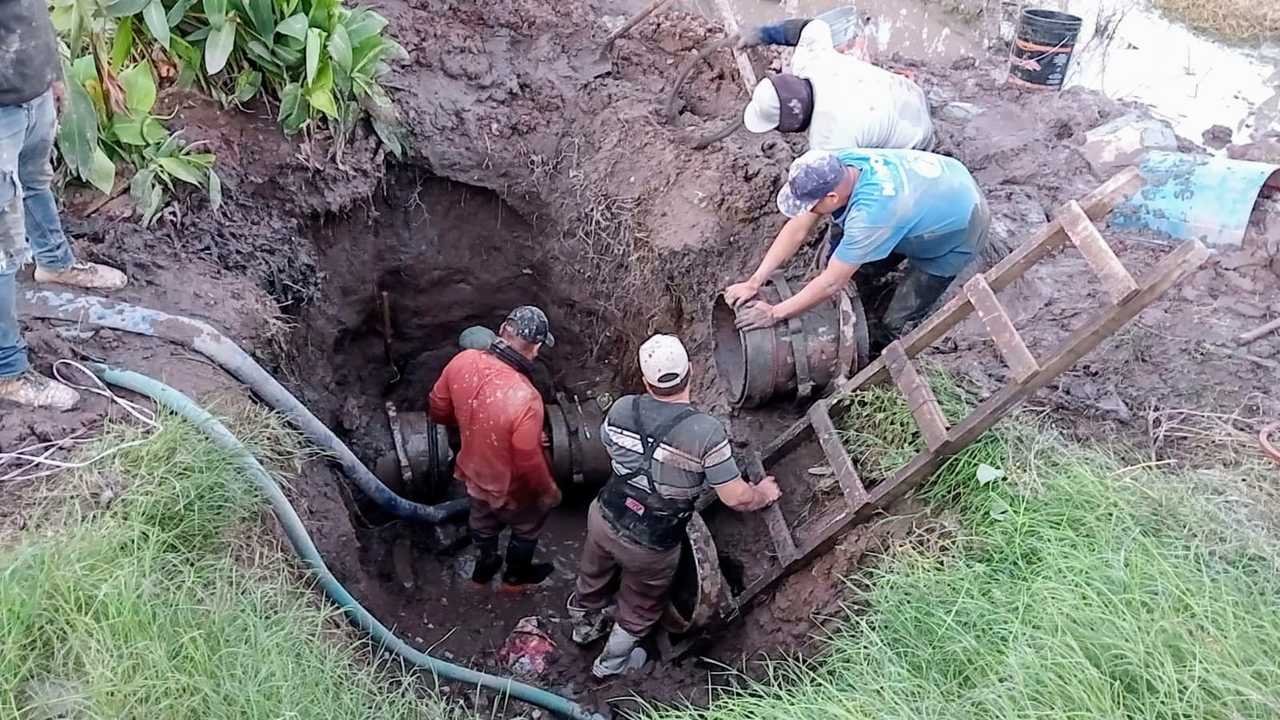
426, 446
561, 445
1268, 445
698, 587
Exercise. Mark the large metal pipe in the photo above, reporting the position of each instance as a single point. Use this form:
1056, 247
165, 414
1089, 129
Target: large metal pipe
802, 356
578, 457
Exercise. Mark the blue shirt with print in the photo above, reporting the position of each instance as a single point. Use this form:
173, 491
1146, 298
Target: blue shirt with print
912, 203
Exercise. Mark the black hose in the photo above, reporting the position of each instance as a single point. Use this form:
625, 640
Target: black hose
204, 339
670, 109
716, 136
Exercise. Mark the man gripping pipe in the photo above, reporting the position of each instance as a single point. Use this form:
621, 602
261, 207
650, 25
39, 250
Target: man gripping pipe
664, 453
489, 396
887, 206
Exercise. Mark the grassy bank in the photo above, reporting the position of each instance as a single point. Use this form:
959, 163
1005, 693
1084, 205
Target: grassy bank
1236, 20
1072, 587
171, 602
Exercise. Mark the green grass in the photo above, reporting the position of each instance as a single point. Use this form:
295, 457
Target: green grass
173, 602
1074, 588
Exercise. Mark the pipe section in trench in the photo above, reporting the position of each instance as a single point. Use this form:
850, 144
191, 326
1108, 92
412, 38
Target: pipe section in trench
204, 339
306, 549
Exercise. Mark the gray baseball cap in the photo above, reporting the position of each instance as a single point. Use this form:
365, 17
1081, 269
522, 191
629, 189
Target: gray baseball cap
476, 337
530, 323
812, 176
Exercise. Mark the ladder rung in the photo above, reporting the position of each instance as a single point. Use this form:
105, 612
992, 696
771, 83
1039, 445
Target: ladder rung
841, 464
924, 406
1006, 337
1119, 284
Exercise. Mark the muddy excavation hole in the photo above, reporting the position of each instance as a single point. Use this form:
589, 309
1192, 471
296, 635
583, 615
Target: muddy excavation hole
401, 280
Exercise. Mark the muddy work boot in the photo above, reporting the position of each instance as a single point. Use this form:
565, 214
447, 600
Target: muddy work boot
522, 571
487, 562
622, 653
90, 276
588, 625
35, 390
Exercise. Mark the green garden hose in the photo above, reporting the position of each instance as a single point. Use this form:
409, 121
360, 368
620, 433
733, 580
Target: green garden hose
306, 549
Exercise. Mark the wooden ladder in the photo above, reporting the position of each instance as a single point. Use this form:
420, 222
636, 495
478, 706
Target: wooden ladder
1125, 298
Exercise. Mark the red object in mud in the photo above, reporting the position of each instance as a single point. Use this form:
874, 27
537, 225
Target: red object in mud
529, 649
1268, 446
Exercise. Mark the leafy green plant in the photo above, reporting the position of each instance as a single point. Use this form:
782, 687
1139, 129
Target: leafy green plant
321, 61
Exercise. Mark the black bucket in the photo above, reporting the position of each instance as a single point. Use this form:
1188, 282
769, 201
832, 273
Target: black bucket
1042, 49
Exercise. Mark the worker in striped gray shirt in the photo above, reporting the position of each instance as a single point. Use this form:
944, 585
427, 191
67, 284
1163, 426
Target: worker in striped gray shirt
665, 453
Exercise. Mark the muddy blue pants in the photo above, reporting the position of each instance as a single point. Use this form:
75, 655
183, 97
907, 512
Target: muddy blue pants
29, 221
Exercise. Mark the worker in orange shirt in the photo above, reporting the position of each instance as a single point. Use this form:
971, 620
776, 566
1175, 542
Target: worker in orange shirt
499, 413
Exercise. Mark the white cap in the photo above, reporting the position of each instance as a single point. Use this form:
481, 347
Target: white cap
764, 112
663, 361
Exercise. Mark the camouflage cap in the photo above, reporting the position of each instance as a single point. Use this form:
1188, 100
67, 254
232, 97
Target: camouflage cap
812, 176
530, 323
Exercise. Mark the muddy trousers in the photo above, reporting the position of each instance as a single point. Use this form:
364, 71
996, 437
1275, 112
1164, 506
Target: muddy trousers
646, 575
28, 213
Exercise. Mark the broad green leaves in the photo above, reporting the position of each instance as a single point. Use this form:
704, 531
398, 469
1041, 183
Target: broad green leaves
340, 50
157, 23
322, 61
218, 47
295, 26
315, 38
78, 136
139, 88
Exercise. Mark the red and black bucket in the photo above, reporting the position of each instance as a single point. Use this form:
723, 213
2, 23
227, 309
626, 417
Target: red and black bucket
1042, 48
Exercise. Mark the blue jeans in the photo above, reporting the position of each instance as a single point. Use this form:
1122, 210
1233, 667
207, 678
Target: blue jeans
29, 223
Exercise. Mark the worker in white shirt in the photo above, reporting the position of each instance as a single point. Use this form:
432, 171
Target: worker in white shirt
841, 101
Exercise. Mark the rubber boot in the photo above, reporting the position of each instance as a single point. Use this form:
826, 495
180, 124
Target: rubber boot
521, 570
621, 654
588, 625
488, 561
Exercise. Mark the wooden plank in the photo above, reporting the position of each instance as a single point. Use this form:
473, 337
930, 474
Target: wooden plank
1041, 244
786, 441
1000, 328
1172, 268
855, 493
1117, 281
924, 406
730, 21
784, 543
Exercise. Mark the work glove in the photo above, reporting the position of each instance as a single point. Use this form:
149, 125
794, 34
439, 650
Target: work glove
786, 33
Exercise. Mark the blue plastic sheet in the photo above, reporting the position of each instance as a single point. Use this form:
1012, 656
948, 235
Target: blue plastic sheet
1196, 197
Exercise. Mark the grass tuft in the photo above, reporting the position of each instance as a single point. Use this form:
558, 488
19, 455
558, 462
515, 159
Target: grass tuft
1236, 20
1077, 588
133, 607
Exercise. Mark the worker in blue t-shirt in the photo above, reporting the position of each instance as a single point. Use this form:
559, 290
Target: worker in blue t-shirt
886, 206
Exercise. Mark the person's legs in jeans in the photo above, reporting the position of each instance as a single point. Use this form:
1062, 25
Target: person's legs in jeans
14, 251
17, 382
54, 260
35, 171
13, 350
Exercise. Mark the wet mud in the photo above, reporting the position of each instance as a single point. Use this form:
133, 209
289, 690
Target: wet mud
534, 178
